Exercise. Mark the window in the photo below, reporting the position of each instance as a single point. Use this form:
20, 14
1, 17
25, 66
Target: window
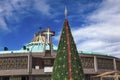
47, 62
87, 62
118, 65
13, 63
105, 63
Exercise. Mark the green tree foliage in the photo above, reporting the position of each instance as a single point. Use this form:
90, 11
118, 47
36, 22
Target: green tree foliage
61, 65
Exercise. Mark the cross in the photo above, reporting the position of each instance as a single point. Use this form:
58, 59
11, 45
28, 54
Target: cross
48, 34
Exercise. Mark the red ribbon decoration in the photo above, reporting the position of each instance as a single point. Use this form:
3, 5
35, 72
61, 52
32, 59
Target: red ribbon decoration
69, 52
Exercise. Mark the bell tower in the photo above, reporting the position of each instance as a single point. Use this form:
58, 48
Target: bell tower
48, 47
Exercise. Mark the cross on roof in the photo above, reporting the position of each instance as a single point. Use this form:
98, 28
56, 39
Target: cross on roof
48, 34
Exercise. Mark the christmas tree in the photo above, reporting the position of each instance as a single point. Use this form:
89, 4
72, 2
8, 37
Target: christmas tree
67, 65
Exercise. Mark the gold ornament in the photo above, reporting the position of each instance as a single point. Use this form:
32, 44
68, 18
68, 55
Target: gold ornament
60, 58
58, 66
63, 66
75, 58
65, 78
76, 72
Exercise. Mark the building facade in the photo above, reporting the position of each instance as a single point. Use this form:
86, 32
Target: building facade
35, 60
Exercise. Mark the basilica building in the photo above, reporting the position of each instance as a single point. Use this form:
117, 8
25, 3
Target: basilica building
35, 60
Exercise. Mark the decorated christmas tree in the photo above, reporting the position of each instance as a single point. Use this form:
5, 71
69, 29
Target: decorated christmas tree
67, 65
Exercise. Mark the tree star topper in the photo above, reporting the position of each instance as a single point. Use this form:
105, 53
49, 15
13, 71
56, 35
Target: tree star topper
65, 12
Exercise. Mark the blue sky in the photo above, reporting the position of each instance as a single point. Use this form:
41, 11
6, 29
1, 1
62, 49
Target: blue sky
95, 24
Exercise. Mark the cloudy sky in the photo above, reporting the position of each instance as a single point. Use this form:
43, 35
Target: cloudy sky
95, 24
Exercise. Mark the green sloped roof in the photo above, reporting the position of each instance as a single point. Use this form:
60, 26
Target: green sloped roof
39, 47
30, 48
90, 52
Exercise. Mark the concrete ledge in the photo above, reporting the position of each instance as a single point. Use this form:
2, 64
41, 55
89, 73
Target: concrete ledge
13, 72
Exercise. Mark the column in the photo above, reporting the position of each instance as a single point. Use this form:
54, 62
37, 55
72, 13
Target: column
114, 63
30, 65
95, 64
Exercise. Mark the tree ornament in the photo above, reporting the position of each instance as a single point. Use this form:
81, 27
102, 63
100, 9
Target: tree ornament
76, 72
75, 58
63, 66
60, 58
58, 66
65, 78
63, 47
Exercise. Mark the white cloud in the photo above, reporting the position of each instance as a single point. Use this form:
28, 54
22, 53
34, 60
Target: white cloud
3, 25
5, 10
8, 8
103, 33
42, 6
